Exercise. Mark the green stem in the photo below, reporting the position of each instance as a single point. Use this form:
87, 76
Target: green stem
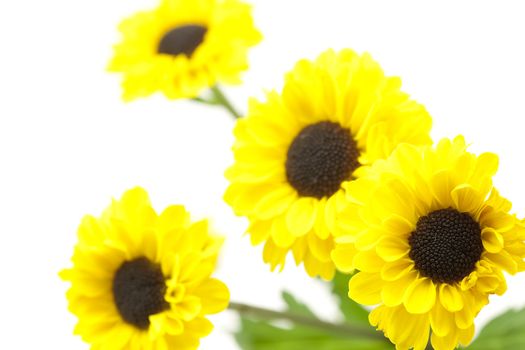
223, 101
203, 100
341, 329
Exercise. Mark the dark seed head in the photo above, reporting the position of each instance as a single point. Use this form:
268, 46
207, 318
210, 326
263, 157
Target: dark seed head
138, 291
320, 157
182, 40
446, 245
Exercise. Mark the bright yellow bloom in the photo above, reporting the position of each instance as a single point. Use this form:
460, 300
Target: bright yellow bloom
141, 280
184, 46
295, 151
431, 237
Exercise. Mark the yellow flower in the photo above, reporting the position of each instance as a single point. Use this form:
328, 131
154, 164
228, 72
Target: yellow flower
183, 47
141, 280
294, 151
431, 238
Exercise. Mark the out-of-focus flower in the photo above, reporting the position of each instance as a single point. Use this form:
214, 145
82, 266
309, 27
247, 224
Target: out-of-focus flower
183, 47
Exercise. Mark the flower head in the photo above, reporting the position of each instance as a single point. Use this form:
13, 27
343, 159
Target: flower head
431, 237
295, 151
183, 47
141, 280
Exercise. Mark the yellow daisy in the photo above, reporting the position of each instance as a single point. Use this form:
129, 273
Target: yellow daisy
141, 280
183, 47
431, 238
295, 150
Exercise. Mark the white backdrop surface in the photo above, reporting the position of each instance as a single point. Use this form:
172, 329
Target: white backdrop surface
68, 143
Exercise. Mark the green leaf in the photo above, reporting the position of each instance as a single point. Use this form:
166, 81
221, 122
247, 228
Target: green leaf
296, 306
264, 335
505, 332
260, 335
352, 311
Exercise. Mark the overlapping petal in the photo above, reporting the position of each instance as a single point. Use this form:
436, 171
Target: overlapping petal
183, 252
413, 183
344, 89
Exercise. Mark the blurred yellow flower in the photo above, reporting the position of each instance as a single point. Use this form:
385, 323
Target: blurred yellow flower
295, 151
431, 238
141, 280
184, 46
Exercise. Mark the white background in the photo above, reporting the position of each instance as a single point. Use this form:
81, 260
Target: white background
68, 144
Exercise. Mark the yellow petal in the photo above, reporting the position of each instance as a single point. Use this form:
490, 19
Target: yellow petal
299, 250
398, 226
282, 237
358, 191
464, 320
469, 281
274, 255
448, 342
391, 203
368, 261
393, 292
259, 231
392, 248
498, 220
492, 241
330, 213
300, 218
450, 298
467, 199
343, 257
504, 261
396, 269
367, 239
441, 320
189, 308
486, 165
320, 248
321, 229
490, 284
173, 217
119, 336
466, 335
420, 296
465, 317
199, 326
441, 185
214, 296
365, 288
498, 202
275, 202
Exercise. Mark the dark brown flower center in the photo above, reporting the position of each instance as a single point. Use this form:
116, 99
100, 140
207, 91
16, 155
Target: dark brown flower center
182, 40
446, 245
320, 157
138, 291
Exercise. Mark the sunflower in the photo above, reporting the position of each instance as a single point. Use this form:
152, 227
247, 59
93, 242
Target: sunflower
183, 47
295, 151
431, 237
141, 280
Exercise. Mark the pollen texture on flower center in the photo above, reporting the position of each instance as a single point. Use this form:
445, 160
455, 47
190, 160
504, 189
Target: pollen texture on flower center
320, 157
138, 290
446, 245
182, 40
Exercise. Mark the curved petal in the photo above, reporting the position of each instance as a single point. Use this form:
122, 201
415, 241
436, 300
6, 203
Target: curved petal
365, 288
343, 257
300, 218
492, 241
450, 298
420, 296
